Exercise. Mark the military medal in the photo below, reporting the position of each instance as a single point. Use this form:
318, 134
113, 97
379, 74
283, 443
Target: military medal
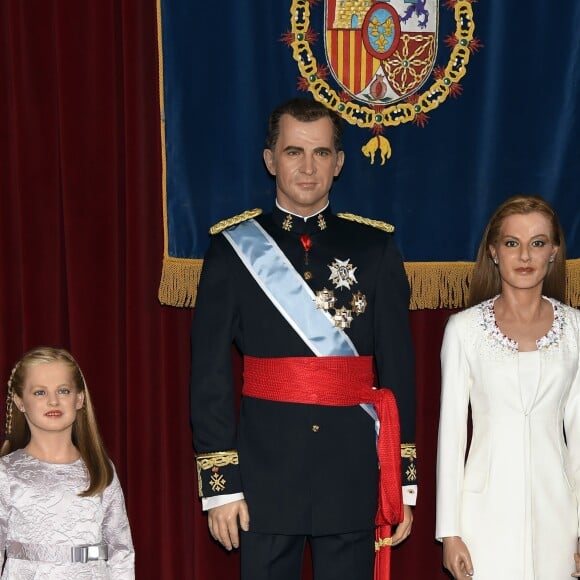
342, 317
342, 273
306, 242
358, 303
325, 299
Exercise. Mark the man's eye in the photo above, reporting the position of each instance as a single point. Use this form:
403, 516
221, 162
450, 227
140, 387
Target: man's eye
323, 153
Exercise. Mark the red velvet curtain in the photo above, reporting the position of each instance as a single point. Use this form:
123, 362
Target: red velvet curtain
81, 246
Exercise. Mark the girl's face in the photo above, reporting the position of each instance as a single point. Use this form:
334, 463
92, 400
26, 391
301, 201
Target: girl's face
50, 400
524, 250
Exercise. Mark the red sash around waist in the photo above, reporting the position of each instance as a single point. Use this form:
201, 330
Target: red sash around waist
341, 381
337, 381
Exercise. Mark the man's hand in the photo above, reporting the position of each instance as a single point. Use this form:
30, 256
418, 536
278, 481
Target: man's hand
456, 557
223, 523
403, 530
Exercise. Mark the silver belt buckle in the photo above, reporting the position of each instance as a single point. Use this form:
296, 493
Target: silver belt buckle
84, 554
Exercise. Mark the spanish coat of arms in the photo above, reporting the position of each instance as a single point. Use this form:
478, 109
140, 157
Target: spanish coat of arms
380, 66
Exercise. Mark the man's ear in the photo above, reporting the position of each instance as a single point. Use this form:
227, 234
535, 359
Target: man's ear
269, 161
339, 163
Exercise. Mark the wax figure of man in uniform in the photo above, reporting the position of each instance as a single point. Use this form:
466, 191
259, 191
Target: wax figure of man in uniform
318, 306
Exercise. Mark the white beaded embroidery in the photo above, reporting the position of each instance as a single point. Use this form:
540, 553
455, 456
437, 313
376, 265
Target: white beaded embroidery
492, 330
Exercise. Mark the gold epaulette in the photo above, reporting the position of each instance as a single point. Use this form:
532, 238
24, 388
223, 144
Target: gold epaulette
242, 217
367, 221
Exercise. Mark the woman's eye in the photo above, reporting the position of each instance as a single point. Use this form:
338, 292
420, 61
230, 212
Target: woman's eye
38, 393
64, 391
511, 243
538, 243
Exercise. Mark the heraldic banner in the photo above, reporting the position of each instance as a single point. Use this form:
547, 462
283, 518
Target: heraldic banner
449, 107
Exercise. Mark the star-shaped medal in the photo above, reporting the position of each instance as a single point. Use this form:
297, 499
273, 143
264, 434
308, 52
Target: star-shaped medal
342, 273
342, 317
358, 303
324, 299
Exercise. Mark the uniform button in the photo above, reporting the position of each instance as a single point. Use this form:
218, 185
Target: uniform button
315, 428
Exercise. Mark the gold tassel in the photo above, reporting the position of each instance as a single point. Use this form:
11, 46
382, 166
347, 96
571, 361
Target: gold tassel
179, 281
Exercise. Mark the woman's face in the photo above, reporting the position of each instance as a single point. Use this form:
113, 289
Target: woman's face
524, 250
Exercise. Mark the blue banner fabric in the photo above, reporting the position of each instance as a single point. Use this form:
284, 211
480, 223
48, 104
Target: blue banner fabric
450, 107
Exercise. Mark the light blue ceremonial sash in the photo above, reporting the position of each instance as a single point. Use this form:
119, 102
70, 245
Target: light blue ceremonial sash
289, 293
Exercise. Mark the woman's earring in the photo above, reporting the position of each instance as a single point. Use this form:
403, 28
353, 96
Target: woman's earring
551, 259
496, 261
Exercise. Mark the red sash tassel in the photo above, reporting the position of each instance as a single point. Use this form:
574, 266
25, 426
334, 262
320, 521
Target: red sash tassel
341, 381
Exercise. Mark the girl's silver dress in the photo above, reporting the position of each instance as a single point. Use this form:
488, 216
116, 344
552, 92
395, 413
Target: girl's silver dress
44, 523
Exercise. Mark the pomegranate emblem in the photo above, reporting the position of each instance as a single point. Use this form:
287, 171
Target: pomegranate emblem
378, 87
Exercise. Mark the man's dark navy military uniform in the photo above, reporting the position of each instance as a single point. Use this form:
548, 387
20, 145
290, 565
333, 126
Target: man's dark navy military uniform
303, 469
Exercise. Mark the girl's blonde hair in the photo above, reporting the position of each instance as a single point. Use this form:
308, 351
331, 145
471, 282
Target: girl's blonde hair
85, 432
486, 281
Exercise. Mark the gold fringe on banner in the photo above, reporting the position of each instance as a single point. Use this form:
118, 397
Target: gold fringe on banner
179, 280
433, 284
573, 282
438, 284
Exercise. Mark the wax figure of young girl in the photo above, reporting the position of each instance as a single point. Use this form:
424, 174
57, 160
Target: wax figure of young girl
511, 511
62, 510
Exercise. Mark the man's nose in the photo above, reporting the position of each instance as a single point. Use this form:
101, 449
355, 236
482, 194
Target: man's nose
309, 166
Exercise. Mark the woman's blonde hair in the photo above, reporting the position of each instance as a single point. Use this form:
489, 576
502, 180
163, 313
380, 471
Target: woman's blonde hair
85, 432
486, 281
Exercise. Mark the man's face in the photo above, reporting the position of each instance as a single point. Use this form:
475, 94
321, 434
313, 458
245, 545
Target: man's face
305, 164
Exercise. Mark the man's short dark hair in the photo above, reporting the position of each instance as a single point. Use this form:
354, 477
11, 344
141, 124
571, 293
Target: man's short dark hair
304, 110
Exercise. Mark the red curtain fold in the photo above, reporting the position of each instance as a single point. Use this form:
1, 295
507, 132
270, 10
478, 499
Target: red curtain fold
81, 246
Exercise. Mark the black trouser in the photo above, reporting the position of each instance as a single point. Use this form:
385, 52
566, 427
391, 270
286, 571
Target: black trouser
279, 557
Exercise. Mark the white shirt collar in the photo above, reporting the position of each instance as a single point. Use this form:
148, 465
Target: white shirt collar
305, 218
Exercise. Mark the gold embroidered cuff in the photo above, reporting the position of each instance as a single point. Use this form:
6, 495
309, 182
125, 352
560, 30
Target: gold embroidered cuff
210, 471
409, 467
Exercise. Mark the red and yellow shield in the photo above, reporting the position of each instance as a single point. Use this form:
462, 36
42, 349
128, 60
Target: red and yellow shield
381, 52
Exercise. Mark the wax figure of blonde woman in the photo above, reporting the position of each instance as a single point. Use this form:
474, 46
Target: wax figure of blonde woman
511, 510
